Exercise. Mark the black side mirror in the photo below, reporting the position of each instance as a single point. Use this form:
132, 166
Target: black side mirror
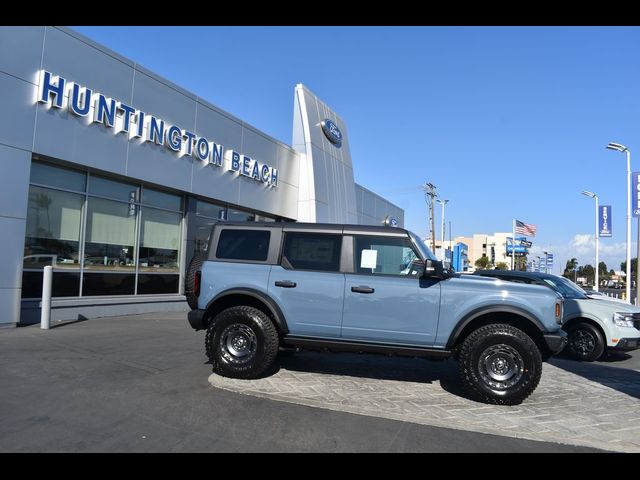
435, 269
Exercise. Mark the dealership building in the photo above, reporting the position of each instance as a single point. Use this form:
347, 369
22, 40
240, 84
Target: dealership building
114, 176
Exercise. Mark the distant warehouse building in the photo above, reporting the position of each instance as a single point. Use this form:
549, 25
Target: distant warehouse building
114, 176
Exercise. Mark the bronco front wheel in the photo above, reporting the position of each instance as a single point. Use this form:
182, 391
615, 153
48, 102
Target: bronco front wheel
500, 364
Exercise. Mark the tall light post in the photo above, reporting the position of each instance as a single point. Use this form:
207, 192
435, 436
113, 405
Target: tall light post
622, 148
597, 279
429, 195
443, 203
546, 259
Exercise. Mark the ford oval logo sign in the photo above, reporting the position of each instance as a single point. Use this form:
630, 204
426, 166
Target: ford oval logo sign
332, 132
390, 221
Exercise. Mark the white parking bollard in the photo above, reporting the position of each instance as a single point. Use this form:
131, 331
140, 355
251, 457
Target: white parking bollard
45, 314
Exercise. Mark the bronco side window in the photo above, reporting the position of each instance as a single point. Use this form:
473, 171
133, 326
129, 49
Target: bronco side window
312, 251
385, 256
243, 245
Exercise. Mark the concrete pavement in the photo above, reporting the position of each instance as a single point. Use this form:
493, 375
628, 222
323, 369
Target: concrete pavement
139, 384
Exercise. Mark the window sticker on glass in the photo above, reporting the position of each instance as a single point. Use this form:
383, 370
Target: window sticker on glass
368, 259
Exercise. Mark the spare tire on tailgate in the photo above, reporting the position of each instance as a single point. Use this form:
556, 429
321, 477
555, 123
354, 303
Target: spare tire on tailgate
189, 281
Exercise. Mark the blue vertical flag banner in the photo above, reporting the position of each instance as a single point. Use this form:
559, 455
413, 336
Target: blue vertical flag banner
549, 261
635, 194
604, 221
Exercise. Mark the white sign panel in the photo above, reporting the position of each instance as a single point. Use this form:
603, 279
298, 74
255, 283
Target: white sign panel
369, 259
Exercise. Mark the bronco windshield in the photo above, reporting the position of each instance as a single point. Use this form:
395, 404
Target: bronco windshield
565, 287
425, 251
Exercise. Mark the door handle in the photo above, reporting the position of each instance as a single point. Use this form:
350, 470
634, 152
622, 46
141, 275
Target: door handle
362, 289
285, 284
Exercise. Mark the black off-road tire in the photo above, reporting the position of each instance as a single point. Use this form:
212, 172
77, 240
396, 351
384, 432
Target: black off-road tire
500, 364
195, 265
241, 342
585, 342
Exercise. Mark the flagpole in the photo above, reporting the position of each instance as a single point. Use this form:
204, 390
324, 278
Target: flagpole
513, 243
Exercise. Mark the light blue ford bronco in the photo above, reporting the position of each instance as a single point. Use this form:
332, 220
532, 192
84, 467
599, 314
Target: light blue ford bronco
265, 288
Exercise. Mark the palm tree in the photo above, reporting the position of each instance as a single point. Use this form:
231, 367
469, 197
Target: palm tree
570, 268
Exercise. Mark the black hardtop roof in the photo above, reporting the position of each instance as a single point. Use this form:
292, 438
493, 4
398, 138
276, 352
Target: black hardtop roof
514, 273
317, 226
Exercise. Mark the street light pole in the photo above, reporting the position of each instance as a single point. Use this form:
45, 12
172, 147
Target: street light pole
546, 260
638, 268
443, 203
621, 148
597, 279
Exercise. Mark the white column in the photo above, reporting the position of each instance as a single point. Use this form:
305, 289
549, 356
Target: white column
45, 313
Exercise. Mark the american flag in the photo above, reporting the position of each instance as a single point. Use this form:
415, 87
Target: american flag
526, 229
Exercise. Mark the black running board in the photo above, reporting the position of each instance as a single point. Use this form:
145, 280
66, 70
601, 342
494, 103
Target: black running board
354, 346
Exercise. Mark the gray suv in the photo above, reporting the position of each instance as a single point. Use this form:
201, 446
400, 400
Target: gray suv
265, 288
594, 326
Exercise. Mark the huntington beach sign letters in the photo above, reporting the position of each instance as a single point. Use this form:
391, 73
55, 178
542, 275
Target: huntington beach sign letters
54, 91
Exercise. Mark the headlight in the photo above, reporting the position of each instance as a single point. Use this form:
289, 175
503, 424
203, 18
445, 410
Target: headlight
622, 319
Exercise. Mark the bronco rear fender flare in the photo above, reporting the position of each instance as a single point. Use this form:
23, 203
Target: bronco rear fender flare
274, 309
471, 316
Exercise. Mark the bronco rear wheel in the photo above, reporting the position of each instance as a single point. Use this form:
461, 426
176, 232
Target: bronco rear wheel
500, 364
241, 342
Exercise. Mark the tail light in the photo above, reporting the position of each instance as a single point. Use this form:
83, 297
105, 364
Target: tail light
196, 283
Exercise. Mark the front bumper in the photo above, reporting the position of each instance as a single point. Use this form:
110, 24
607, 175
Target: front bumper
196, 319
556, 341
627, 344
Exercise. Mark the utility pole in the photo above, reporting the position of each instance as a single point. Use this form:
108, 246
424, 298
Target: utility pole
442, 249
429, 195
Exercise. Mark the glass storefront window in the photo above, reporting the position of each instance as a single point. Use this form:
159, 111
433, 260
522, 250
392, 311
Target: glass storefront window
161, 199
149, 283
112, 189
64, 284
202, 233
210, 210
106, 283
110, 238
159, 240
45, 174
53, 229
110, 235
237, 215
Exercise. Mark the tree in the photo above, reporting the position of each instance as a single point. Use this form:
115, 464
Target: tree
588, 272
483, 262
520, 263
602, 269
634, 266
502, 266
570, 267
